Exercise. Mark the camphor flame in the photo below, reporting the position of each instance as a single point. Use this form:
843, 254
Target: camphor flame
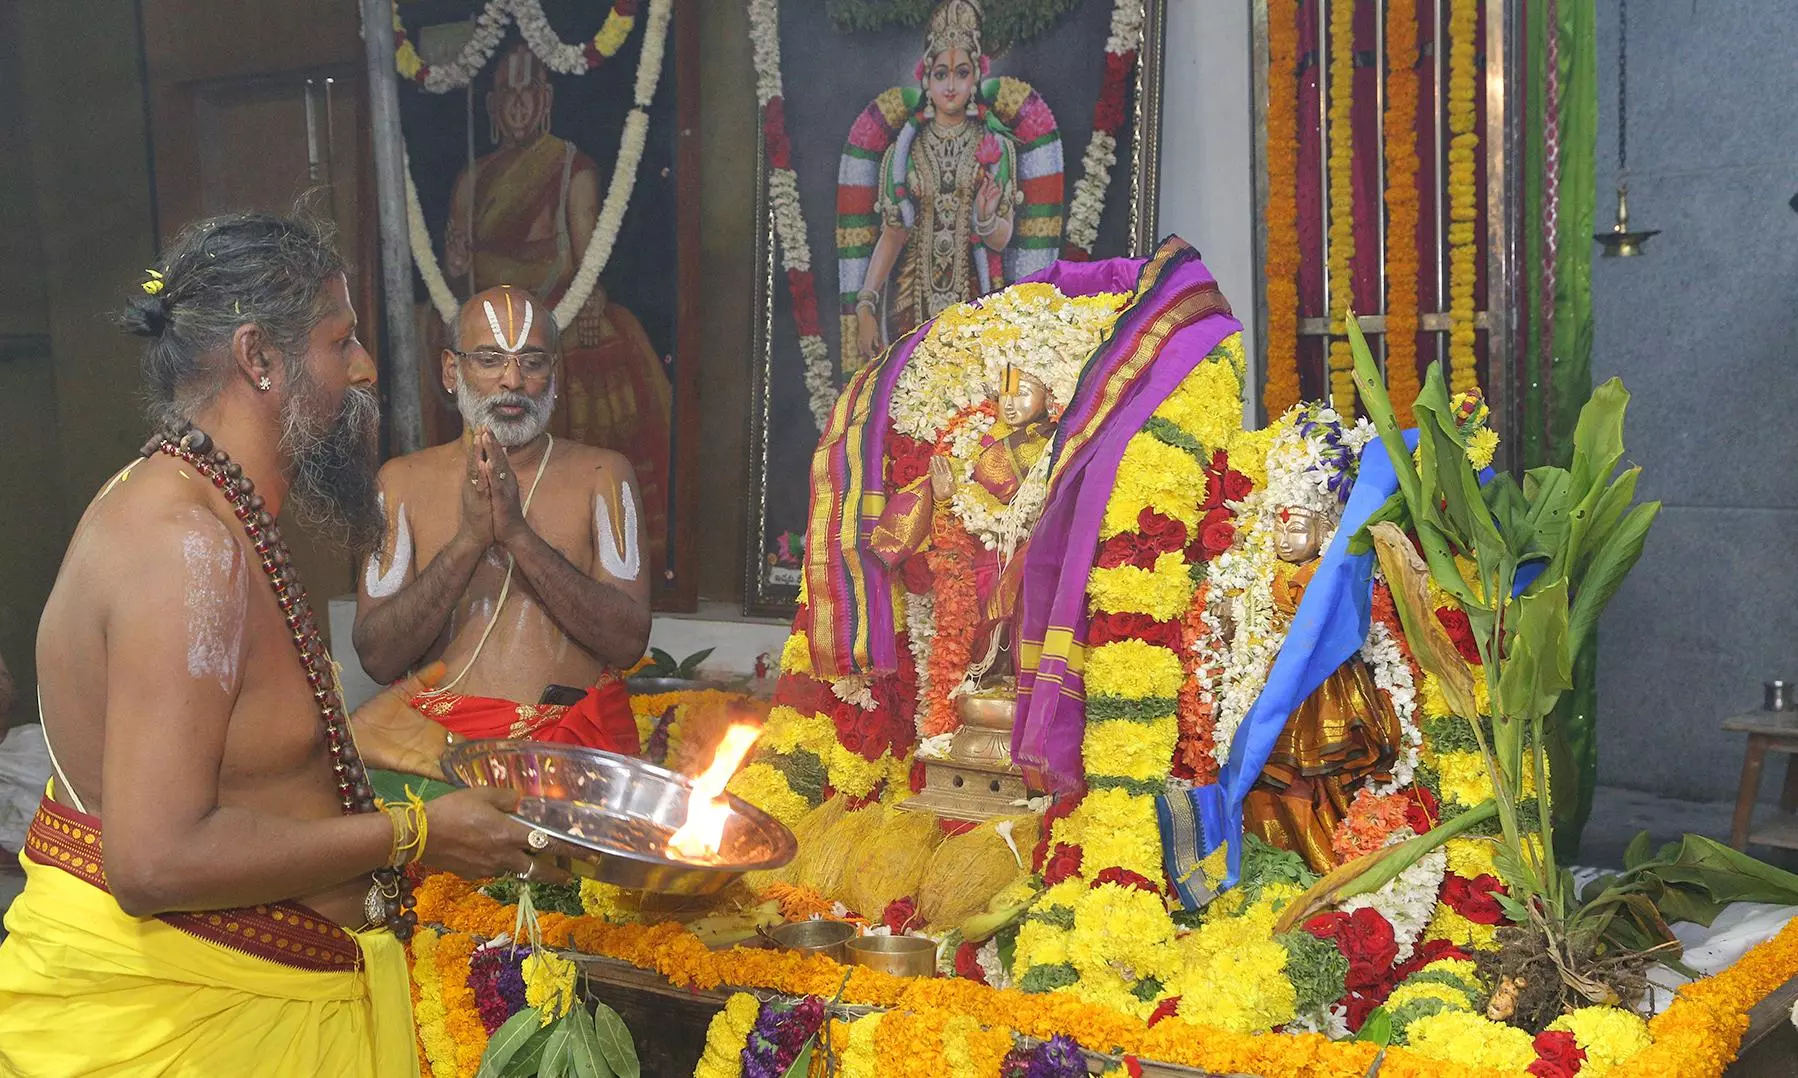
707, 810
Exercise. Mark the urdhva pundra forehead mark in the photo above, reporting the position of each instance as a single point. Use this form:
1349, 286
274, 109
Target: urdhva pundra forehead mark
516, 310
380, 585
619, 553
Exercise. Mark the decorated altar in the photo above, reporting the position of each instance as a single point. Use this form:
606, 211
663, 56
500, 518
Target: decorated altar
1183, 744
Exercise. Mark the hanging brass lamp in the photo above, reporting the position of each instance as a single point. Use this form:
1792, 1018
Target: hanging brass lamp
1622, 241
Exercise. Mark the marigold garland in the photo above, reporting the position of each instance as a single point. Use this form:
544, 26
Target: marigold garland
1401, 209
1341, 262
1463, 22
1281, 389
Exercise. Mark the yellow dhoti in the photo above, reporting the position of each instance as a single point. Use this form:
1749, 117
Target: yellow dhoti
86, 989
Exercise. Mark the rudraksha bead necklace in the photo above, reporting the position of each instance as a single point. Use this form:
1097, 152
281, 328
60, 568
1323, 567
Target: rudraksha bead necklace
389, 899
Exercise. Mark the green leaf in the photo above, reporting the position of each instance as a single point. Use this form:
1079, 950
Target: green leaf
1638, 852
557, 1060
690, 665
1504, 500
1395, 511
508, 1040
1539, 667
583, 1048
1598, 437
1378, 1027
1606, 512
615, 1044
1378, 405
802, 1063
665, 664
1548, 492
1610, 564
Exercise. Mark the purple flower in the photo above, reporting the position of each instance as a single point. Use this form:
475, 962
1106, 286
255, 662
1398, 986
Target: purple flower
1058, 1057
510, 981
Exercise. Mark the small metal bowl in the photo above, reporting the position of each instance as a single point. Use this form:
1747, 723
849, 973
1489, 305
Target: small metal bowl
816, 937
620, 809
901, 956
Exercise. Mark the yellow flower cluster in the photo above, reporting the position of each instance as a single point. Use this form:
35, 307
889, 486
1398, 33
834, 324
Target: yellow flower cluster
1458, 930
970, 1048
1154, 475
763, 786
1208, 404
1232, 974
1463, 205
859, 1058
1122, 935
548, 984
851, 773
1163, 592
609, 902
1481, 446
1471, 858
427, 1010
725, 1037
796, 655
1114, 828
1470, 1040
1341, 168
1610, 1037
1131, 750
787, 731
1134, 670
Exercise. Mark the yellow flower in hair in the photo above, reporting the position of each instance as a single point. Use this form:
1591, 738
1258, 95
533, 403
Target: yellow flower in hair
153, 284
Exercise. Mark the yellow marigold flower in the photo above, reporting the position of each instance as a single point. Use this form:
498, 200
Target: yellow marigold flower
860, 1060
796, 656
1481, 446
851, 774
1609, 1035
1431, 701
1133, 669
1208, 404
766, 788
1216, 865
787, 730
1458, 930
1124, 929
1157, 476
1130, 750
1232, 974
1465, 780
1040, 944
1118, 829
612, 33
1163, 592
608, 902
1248, 451
548, 984
1406, 993
725, 1037
1471, 1040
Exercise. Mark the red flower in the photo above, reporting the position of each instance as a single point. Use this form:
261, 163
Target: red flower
899, 915
950, 828
1128, 548
1063, 863
1424, 812
1110, 628
916, 779
805, 301
915, 574
1428, 951
1365, 938
774, 129
1059, 807
1075, 254
1167, 1008
966, 965
1216, 532
1163, 533
1237, 486
1108, 113
909, 460
1133, 1066
1123, 877
1558, 1055
1473, 899
1460, 632
989, 152
1214, 490
1359, 1006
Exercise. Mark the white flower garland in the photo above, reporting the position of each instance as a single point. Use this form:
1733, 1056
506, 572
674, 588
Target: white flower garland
490, 30
1391, 671
920, 630
789, 216
1408, 900
624, 179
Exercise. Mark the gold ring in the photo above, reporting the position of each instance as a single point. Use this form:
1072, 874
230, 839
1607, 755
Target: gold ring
538, 839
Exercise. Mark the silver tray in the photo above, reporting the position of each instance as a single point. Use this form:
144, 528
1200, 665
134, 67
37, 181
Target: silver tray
620, 809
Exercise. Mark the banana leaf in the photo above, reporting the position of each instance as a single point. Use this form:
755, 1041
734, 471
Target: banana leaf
1693, 879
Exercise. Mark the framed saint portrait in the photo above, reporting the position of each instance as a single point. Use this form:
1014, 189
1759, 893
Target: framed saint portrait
917, 155
519, 128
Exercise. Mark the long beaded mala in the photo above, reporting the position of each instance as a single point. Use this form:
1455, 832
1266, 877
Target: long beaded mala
389, 899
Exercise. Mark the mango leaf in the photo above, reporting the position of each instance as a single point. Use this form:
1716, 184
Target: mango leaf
1378, 1027
802, 1063
665, 664
1430, 643
1610, 564
530, 1056
508, 1040
1539, 667
615, 1043
690, 665
583, 1049
557, 1059
1378, 405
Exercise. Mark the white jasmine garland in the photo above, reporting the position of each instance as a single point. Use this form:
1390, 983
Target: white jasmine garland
490, 29
1391, 671
1088, 203
920, 630
1408, 900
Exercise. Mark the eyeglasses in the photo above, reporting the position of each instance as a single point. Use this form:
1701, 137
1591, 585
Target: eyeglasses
533, 364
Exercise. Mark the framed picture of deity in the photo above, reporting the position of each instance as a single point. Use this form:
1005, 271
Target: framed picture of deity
551, 145
917, 154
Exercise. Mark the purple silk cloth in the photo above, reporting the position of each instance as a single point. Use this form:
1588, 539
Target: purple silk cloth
1051, 694
1072, 279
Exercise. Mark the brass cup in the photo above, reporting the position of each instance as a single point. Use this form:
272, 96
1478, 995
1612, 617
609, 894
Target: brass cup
901, 956
830, 938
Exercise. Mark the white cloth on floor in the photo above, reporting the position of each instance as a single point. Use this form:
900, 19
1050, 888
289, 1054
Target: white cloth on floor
24, 768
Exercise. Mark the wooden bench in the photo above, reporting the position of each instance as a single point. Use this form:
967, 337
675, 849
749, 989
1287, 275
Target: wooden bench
1768, 731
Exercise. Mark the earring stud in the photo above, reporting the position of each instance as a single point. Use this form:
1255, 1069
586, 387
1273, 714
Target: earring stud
264, 384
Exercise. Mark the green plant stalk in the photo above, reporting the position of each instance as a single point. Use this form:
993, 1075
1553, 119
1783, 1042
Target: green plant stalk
1396, 859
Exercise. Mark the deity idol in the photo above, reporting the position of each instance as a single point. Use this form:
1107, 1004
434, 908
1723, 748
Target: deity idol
920, 522
1344, 732
523, 216
950, 186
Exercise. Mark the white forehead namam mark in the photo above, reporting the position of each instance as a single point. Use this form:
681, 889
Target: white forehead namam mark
380, 585
618, 554
215, 602
502, 336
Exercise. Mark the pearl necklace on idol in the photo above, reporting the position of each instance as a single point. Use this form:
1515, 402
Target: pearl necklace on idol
389, 898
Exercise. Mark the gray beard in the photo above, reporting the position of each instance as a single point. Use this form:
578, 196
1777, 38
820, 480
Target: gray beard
478, 411
333, 466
